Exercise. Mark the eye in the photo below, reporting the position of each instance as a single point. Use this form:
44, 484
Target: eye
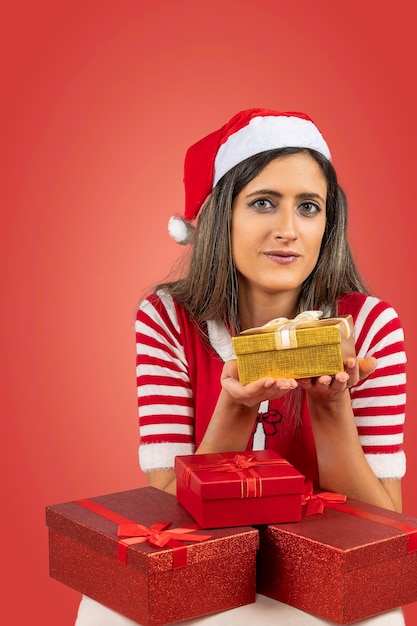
262, 205
309, 208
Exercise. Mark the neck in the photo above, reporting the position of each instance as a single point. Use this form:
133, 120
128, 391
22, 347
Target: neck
258, 309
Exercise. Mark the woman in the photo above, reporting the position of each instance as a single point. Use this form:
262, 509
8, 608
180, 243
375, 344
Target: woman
270, 242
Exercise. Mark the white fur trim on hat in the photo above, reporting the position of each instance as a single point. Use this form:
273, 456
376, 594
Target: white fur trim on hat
181, 230
264, 133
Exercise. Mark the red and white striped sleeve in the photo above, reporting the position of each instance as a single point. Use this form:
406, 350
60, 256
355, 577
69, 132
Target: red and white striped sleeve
379, 401
165, 400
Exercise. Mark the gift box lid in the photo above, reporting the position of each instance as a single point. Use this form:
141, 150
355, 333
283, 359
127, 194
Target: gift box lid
146, 506
219, 476
355, 533
292, 334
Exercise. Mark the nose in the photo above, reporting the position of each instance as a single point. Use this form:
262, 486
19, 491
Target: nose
285, 226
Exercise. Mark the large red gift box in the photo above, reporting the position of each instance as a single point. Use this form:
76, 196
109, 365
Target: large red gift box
351, 562
139, 553
230, 489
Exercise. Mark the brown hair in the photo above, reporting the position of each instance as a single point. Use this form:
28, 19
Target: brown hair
209, 291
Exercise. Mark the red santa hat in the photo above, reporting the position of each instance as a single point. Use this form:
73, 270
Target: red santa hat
246, 134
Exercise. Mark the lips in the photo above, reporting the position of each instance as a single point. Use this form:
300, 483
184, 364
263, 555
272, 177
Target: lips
282, 256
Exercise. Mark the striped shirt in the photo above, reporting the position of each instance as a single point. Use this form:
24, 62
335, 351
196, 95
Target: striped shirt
178, 382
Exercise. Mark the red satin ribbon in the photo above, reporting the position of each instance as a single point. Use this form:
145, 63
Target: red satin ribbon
316, 503
132, 533
250, 486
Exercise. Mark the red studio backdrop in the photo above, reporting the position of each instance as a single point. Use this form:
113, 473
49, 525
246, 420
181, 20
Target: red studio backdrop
99, 101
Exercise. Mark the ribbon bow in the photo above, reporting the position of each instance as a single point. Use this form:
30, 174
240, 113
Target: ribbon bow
269, 421
280, 322
157, 536
237, 463
242, 462
301, 318
316, 502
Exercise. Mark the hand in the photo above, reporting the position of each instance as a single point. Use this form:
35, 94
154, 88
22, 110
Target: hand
253, 394
356, 369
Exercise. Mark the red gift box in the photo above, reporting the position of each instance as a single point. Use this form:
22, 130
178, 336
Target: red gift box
230, 489
351, 562
120, 550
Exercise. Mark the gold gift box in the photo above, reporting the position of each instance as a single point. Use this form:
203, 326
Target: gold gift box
304, 347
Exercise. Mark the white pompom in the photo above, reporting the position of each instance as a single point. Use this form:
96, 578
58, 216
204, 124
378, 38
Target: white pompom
181, 230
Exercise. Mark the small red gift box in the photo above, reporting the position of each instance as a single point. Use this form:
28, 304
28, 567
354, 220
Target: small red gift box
351, 562
120, 550
230, 489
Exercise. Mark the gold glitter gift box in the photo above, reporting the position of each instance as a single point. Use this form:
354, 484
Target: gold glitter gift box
346, 564
141, 554
300, 348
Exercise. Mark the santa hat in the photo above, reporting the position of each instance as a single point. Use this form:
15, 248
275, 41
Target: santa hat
246, 134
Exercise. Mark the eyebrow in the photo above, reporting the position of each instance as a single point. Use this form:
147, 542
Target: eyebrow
299, 196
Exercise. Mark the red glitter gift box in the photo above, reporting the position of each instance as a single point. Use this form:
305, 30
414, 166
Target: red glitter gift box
139, 553
230, 489
351, 562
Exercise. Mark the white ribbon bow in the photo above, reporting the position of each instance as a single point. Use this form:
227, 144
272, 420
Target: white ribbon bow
284, 329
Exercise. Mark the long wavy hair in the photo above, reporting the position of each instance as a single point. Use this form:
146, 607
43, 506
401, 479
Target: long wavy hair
209, 289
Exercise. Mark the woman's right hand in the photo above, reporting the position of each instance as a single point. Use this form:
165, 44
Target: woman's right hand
234, 416
254, 393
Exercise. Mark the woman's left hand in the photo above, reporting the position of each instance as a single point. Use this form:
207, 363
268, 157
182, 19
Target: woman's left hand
356, 369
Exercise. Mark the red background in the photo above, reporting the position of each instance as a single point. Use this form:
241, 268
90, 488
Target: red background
100, 100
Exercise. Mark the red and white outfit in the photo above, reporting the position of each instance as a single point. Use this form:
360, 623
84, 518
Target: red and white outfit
178, 376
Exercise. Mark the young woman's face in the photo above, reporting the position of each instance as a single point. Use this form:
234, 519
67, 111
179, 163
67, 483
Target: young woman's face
278, 223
